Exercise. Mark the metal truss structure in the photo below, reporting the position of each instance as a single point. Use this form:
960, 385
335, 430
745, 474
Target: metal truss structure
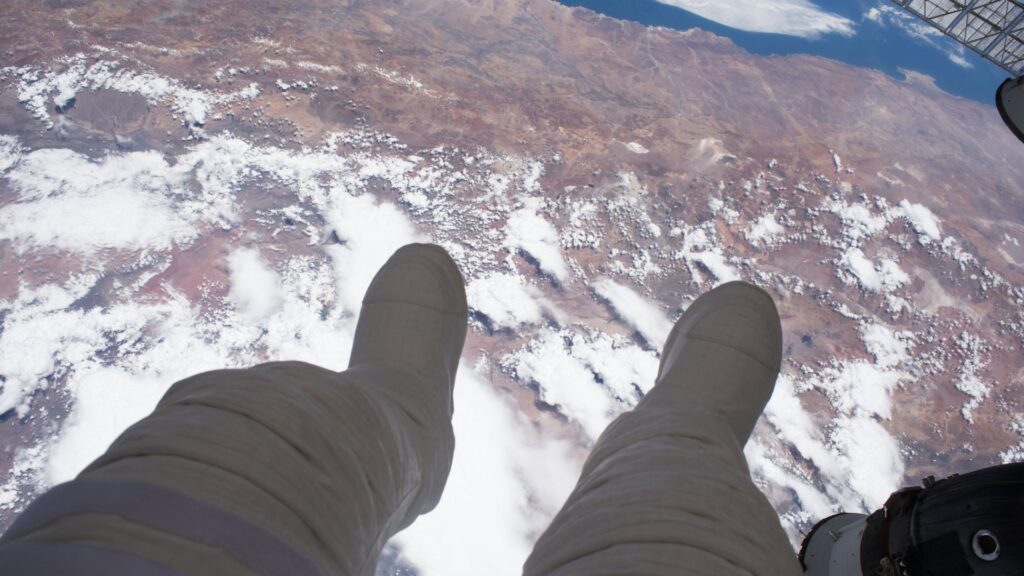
992, 28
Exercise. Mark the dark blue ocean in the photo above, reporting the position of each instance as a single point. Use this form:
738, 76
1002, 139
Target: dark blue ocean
886, 48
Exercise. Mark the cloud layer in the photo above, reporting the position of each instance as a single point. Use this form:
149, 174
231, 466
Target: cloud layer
885, 15
791, 17
285, 279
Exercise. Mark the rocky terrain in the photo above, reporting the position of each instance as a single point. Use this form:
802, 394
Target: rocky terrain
591, 176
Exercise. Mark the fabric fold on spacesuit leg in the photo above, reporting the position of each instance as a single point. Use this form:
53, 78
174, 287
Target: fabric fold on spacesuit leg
331, 464
665, 491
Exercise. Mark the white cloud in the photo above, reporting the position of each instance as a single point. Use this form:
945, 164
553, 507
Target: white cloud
10, 152
506, 299
969, 381
958, 56
72, 203
625, 369
857, 461
913, 27
862, 393
36, 89
565, 382
884, 15
923, 220
860, 388
791, 17
1015, 453
217, 166
255, 287
765, 231
717, 265
891, 275
862, 268
372, 232
41, 336
883, 276
703, 251
859, 221
888, 347
814, 505
505, 485
872, 459
107, 401
309, 326
90, 222
644, 316
797, 427
590, 376
528, 231
24, 472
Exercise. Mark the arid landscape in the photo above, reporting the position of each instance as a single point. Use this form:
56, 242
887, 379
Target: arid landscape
591, 177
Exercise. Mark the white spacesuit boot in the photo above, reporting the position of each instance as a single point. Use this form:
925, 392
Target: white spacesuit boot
723, 356
666, 489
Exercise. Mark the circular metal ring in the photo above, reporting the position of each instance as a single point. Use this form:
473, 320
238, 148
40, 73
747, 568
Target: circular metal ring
986, 545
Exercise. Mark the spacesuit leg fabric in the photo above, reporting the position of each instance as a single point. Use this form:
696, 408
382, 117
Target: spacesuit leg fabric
666, 489
331, 465
281, 469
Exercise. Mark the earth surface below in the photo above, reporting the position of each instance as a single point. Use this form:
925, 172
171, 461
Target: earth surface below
192, 185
